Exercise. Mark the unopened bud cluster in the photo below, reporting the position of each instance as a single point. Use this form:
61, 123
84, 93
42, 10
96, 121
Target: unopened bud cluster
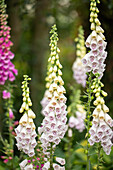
54, 124
101, 124
94, 60
7, 68
78, 68
26, 129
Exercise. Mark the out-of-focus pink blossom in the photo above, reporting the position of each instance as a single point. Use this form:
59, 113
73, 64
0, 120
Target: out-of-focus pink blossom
11, 116
16, 123
11, 128
6, 95
6, 160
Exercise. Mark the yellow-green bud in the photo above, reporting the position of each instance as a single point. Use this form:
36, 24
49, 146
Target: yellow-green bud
55, 68
92, 26
104, 93
97, 94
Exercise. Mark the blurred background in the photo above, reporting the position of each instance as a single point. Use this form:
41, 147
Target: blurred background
31, 21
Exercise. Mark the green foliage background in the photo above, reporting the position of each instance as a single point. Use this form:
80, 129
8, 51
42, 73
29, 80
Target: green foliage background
31, 21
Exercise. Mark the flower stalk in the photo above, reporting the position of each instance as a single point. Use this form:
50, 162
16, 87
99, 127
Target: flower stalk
88, 117
94, 62
54, 123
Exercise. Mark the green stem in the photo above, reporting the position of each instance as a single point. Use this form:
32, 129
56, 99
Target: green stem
69, 153
99, 156
51, 157
88, 115
11, 142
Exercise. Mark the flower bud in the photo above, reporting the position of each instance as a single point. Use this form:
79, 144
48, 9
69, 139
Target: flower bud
105, 108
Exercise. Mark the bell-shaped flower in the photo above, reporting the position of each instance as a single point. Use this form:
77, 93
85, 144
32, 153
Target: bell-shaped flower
46, 166
108, 120
23, 163
60, 160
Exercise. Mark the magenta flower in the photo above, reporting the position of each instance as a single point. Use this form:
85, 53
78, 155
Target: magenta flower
6, 95
6, 160
11, 116
7, 68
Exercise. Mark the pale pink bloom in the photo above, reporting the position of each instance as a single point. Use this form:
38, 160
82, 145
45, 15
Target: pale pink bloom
23, 163
72, 120
79, 72
60, 160
56, 166
91, 141
54, 124
91, 60
26, 138
108, 120
46, 166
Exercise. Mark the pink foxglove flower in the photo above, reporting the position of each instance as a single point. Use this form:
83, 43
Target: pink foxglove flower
54, 123
26, 129
7, 68
94, 60
101, 124
101, 131
26, 135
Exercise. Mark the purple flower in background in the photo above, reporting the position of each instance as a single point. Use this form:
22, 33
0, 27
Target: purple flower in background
79, 72
6, 95
7, 68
